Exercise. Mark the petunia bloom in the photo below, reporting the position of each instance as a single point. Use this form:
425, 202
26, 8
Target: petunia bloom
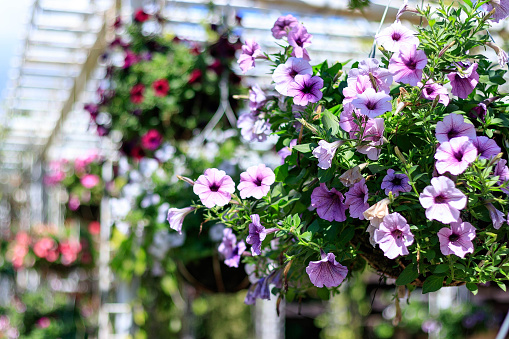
442, 200
352, 176
455, 155
214, 188
395, 36
395, 183
299, 39
230, 249
497, 218
407, 64
372, 103
161, 87
432, 90
501, 9
257, 234
327, 271
377, 212
357, 199
382, 76
329, 204
287, 150
255, 182
176, 217
305, 89
257, 98
284, 74
136, 94
486, 148
453, 126
325, 152
463, 82
283, 25
151, 140
250, 51
140, 15
393, 235
253, 127
502, 172
373, 132
90, 180
457, 240
362, 83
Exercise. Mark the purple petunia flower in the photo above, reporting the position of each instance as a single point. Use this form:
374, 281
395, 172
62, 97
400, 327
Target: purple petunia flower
382, 76
257, 234
457, 240
442, 200
357, 199
372, 103
479, 112
497, 217
255, 182
464, 81
407, 64
326, 272
176, 217
373, 132
305, 89
283, 25
287, 150
395, 36
501, 9
261, 288
486, 148
453, 126
299, 39
250, 51
455, 155
393, 235
432, 90
329, 204
502, 172
214, 188
395, 183
257, 98
284, 74
253, 127
361, 84
230, 249
325, 152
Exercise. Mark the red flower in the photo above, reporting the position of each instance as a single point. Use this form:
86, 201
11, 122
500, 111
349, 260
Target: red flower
151, 140
137, 94
137, 153
161, 87
195, 76
70, 250
140, 15
94, 227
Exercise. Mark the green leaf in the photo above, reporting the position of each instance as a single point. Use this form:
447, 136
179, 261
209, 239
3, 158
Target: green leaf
472, 288
307, 236
323, 293
501, 285
441, 269
330, 122
408, 275
432, 284
303, 148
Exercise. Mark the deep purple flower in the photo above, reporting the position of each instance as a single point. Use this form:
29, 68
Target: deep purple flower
327, 271
464, 81
257, 234
502, 172
454, 126
250, 51
373, 132
498, 218
486, 148
255, 182
325, 152
442, 200
261, 288
230, 249
383, 77
361, 84
395, 183
479, 112
407, 64
455, 155
283, 25
305, 89
299, 39
501, 9
287, 150
329, 204
395, 36
214, 188
457, 240
357, 199
372, 103
284, 74
432, 90
393, 235
257, 98
176, 217
253, 127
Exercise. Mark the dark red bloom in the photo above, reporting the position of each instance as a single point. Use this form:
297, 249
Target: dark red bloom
140, 15
161, 87
195, 76
137, 94
151, 140
137, 153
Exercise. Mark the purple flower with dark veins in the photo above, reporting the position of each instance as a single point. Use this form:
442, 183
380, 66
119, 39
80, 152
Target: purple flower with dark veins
253, 127
395, 183
457, 240
502, 172
455, 155
395, 36
255, 182
327, 271
357, 199
442, 200
230, 249
486, 148
257, 98
250, 51
257, 234
498, 218
407, 64
329, 204
382, 76
214, 188
284, 74
176, 217
432, 90
325, 152
283, 25
373, 132
305, 89
463, 82
501, 9
299, 39
372, 103
393, 235
361, 84
453, 126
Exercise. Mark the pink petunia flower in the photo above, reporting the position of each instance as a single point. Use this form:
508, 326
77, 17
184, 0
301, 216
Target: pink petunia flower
455, 155
453, 126
250, 51
284, 74
457, 240
372, 103
257, 98
463, 82
442, 200
325, 152
90, 180
327, 271
283, 25
347, 118
299, 39
151, 140
357, 199
497, 218
176, 217
361, 84
161, 87
486, 148
373, 132
329, 204
393, 235
382, 76
395, 36
432, 90
214, 188
136, 94
305, 89
255, 182
407, 64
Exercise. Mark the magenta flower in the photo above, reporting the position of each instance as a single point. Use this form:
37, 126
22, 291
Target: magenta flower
214, 188
357, 199
327, 271
361, 84
255, 182
432, 90
464, 81
325, 152
372, 103
395, 183
329, 204
257, 234
283, 25
486, 148
497, 217
502, 172
287, 150
457, 240
253, 127
373, 132
284, 74
407, 64
393, 235
90, 180
74, 202
442, 200
299, 39
395, 36
305, 89
257, 98
454, 126
455, 155
382, 76
151, 140
501, 9
176, 217
230, 249
250, 51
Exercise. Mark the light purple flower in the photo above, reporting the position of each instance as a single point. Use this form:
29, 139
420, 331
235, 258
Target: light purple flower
230, 249
442, 200
354, 88
325, 152
498, 218
286, 151
299, 39
395, 36
453, 126
382, 76
455, 155
305, 89
255, 182
432, 90
283, 25
329, 204
464, 82
347, 119
176, 217
372, 103
393, 235
486, 148
250, 51
501, 9
457, 240
357, 199
373, 132
395, 183
253, 127
326, 272
257, 98
502, 172
284, 74
214, 187
257, 234
407, 64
